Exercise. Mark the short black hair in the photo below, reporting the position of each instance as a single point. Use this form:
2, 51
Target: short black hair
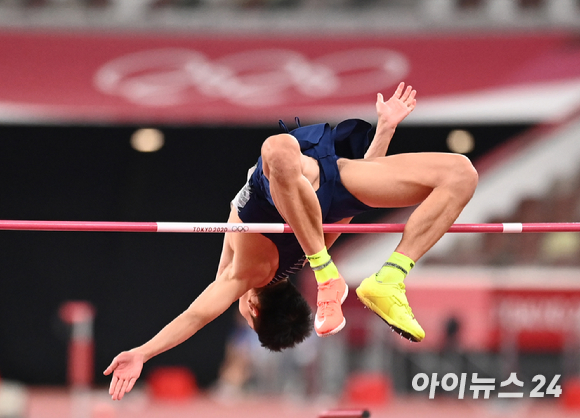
284, 317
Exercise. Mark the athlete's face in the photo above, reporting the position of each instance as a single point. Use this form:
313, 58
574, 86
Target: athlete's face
248, 306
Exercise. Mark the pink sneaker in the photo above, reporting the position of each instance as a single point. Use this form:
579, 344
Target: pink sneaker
329, 319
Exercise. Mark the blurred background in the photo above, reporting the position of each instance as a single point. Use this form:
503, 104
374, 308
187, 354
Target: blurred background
153, 110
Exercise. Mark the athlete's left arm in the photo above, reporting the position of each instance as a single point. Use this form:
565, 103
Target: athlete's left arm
331, 237
390, 113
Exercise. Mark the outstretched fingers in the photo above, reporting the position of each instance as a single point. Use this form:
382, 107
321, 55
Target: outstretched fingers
408, 96
399, 91
391, 112
118, 388
411, 101
405, 95
124, 388
131, 384
113, 385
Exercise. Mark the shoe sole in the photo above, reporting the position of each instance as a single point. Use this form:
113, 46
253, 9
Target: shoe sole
334, 331
388, 320
341, 326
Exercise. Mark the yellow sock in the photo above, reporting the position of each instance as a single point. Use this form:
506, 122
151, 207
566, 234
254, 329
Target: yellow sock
324, 268
395, 269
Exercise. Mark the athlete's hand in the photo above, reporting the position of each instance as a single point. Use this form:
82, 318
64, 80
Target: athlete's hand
126, 369
398, 107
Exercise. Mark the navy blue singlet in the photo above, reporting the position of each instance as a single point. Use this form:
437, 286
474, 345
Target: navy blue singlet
349, 139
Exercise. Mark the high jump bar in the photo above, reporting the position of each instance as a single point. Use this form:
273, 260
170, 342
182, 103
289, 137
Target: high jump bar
273, 228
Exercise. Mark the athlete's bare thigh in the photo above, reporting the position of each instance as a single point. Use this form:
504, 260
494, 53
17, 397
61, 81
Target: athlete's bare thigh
310, 170
397, 180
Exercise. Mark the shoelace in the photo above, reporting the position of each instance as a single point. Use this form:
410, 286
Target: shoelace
401, 286
324, 307
327, 305
325, 287
406, 305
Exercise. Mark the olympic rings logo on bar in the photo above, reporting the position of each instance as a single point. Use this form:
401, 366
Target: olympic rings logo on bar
251, 78
241, 228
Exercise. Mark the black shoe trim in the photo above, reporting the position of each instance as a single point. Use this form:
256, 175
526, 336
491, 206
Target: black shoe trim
389, 264
320, 267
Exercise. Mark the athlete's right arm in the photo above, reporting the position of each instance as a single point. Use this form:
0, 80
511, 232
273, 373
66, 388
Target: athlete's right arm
210, 304
390, 113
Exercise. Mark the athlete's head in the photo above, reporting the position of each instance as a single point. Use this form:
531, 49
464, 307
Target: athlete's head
279, 315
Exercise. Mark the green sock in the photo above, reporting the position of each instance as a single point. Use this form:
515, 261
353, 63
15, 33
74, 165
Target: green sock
324, 268
395, 269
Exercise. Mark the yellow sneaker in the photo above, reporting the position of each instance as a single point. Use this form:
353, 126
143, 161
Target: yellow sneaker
389, 302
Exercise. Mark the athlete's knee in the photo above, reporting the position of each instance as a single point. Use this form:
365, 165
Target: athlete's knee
462, 177
280, 153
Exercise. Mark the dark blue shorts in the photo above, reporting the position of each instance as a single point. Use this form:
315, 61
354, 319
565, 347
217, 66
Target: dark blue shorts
255, 205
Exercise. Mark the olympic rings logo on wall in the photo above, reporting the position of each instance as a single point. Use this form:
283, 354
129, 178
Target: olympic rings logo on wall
252, 78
